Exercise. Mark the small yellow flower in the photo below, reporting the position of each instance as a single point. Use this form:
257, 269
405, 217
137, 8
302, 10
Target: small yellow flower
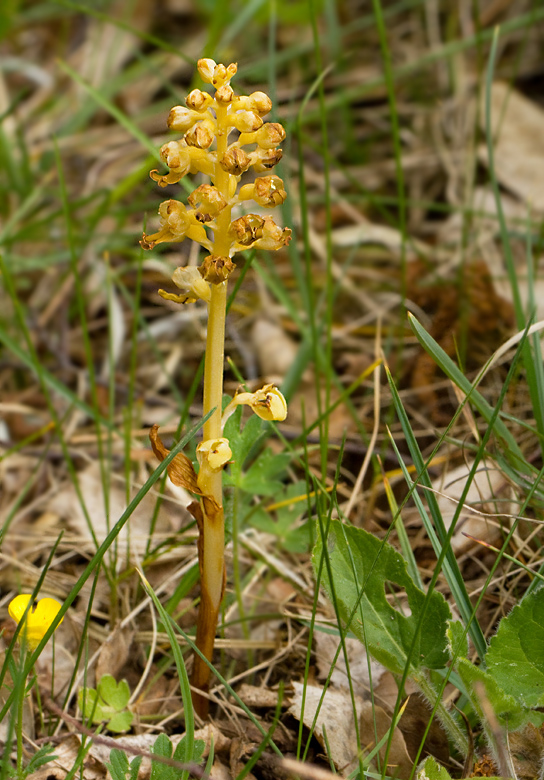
38, 618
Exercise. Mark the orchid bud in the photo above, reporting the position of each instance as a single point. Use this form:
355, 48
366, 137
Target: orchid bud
260, 102
206, 68
224, 95
270, 135
198, 100
245, 121
181, 118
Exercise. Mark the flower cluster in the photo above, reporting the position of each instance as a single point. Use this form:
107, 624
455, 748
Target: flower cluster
224, 137
206, 122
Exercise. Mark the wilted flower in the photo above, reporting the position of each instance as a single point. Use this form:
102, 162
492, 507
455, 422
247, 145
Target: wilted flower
235, 161
216, 268
188, 279
207, 202
201, 134
177, 223
267, 137
264, 159
255, 231
38, 618
267, 191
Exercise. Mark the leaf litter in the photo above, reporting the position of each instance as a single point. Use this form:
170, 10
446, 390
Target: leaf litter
42, 101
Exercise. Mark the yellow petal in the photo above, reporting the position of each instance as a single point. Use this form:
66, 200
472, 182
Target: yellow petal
38, 619
17, 607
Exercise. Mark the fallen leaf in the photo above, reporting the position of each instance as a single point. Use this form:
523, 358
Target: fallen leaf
362, 668
375, 723
487, 488
516, 127
335, 727
114, 652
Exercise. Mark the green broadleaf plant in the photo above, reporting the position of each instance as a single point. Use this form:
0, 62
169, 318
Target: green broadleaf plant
518, 646
430, 770
362, 566
120, 768
163, 747
504, 696
107, 704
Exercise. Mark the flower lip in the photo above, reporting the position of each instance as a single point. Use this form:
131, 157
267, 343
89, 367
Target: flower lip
215, 452
38, 618
268, 403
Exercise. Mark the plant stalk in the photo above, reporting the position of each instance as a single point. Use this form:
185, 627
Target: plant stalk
450, 724
212, 532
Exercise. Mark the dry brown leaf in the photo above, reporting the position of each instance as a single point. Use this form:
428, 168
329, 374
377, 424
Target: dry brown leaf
66, 753
136, 744
413, 725
304, 407
335, 727
180, 470
516, 125
93, 486
28, 713
161, 696
114, 653
275, 350
527, 751
361, 667
221, 743
219, 771
258, 696
374, 724
241, 751
488, 484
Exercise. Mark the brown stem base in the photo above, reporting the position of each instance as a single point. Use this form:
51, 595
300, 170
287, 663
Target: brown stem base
205, 640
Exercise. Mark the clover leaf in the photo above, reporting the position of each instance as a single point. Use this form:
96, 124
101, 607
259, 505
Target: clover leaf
107, 704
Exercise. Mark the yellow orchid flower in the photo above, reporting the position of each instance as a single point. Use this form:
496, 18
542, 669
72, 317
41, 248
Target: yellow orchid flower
38, 618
